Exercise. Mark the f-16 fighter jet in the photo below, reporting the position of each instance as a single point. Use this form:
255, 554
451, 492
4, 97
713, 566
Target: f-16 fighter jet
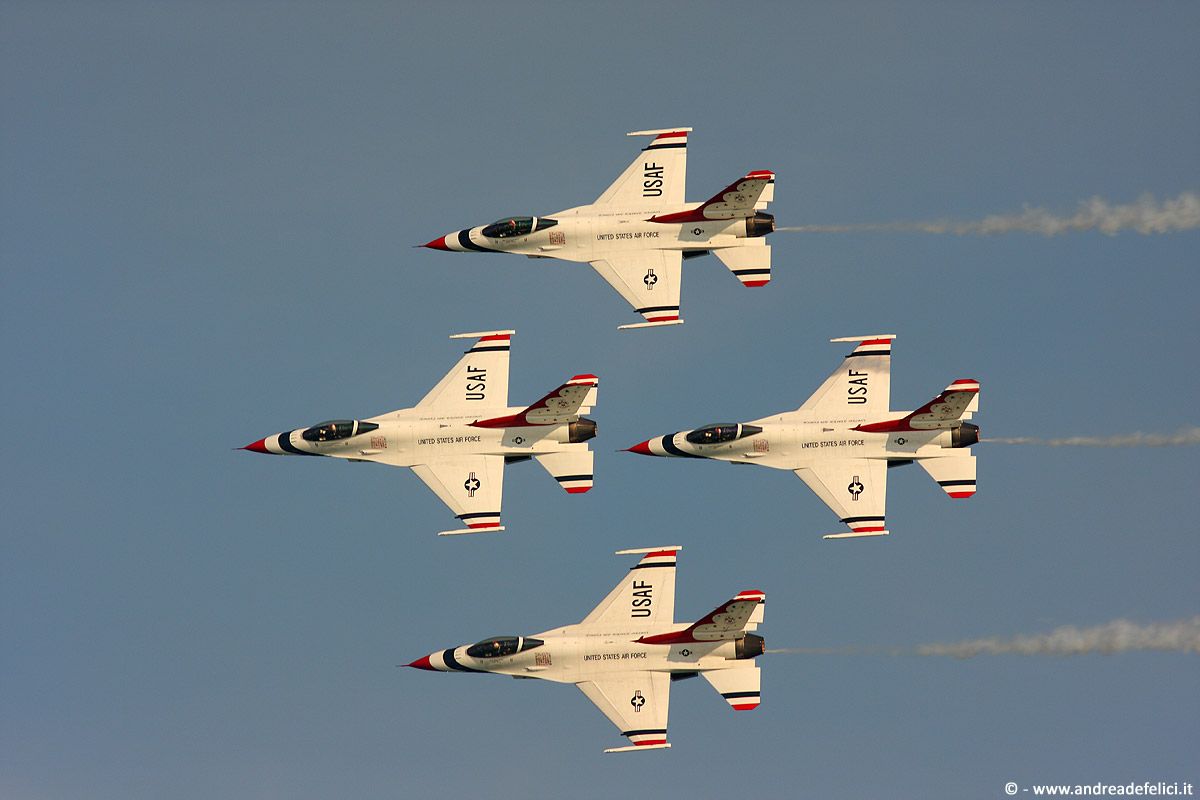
842, 441
637, 234
627, 652
461, 435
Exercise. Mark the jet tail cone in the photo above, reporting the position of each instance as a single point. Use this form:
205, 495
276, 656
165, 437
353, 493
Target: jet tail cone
640, 449
257, 447
437, 244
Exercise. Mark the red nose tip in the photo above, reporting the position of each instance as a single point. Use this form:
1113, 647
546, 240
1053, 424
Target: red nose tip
422, 663
257, 447
438, 244
641, 449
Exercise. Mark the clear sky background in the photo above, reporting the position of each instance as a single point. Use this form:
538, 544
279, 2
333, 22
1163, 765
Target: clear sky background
207, 215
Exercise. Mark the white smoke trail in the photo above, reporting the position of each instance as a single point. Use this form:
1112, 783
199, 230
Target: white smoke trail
1118, 636
1185, 437
1146, 216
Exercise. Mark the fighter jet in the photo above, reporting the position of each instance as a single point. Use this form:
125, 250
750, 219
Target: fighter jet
461, 435
637, 234
843, 440
625, 655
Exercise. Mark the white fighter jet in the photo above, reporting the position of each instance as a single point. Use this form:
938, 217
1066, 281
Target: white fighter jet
842, 441
461, 434
627, 652
637, 234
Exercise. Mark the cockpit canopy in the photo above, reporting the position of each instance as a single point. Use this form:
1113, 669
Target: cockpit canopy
334, 429
719, 432
498, 646
511, 227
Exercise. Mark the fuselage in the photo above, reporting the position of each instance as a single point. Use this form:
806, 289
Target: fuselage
798, 439
587, 233
577, 653
417, 436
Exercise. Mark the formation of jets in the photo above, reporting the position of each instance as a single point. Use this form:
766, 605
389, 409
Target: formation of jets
841, 441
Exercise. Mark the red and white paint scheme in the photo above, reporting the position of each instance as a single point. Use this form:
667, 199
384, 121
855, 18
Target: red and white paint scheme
461, 434
638, 233
625, 654
844, 438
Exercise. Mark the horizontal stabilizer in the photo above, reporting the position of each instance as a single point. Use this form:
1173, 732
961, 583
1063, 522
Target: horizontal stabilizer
572, 470
956, 475
750, 264
739, 686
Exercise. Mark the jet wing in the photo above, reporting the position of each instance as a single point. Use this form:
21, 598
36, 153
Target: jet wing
480, 378
648, 280
856, 490
471, 485
656, 177
646, 594
862, 383
637, 703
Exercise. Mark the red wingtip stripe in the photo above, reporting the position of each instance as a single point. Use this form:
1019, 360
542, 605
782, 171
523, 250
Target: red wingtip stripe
671, 135
875, 342
745, 706
762, 173
589, 379
503, 337
960, 495
651, 741
662, 319
577, 489
660, 554
757, 283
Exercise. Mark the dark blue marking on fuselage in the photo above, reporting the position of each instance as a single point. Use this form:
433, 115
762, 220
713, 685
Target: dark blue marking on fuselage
448, 657
464, 238
668, 444
285, 444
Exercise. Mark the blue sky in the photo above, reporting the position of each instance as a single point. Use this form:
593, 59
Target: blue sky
206, 232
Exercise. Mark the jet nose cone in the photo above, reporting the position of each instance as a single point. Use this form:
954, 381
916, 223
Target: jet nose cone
641, 449
257, 447
438, 244
422, 663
